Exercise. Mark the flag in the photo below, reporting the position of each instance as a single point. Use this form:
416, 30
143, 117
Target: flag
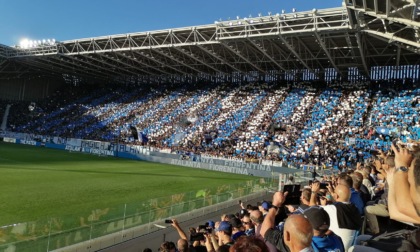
143, 138
134, 132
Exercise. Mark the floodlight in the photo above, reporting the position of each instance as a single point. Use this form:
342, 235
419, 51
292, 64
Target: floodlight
295, 16
53, 41
237, 17
24, 43
294, 10
259, 14
39, 42
269, 13
44, 41
282, 11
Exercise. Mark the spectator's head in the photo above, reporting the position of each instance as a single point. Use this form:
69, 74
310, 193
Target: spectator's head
236, 225
297, 232
182, 245
247, 223
210, 223
224, 228
364, 173
264, 206
249, 244
368, 168
224, 217
256, 217
167, 247
319, 219
357, 178
305, 197
342, 193
345, 179
250, 207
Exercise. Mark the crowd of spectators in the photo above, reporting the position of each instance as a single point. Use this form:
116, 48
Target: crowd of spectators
333, 125
343, 212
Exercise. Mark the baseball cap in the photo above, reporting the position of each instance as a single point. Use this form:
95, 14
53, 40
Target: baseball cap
318, 217
265, 205
210, 223
224, 226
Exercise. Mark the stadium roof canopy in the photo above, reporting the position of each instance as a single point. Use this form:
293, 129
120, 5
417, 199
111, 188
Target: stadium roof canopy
360, 35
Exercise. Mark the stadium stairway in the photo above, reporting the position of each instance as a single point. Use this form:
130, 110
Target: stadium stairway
5, 116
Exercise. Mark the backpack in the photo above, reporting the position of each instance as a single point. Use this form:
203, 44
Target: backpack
399, 241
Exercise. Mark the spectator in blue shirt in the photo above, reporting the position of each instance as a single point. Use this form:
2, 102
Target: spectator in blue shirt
324, 239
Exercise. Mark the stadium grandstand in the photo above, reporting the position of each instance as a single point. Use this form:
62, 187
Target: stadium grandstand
323, 90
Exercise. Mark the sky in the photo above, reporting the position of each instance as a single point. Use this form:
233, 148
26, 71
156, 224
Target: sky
75, 19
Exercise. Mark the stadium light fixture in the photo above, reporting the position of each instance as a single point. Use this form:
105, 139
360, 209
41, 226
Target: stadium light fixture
294, 10
282, 11
24, 43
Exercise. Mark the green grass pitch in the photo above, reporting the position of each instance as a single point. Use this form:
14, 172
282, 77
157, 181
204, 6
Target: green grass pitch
39, 182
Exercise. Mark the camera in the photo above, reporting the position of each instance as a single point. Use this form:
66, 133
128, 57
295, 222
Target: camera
206, 228
324, 185
202, 227
293, 196
169, 221
197, 237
